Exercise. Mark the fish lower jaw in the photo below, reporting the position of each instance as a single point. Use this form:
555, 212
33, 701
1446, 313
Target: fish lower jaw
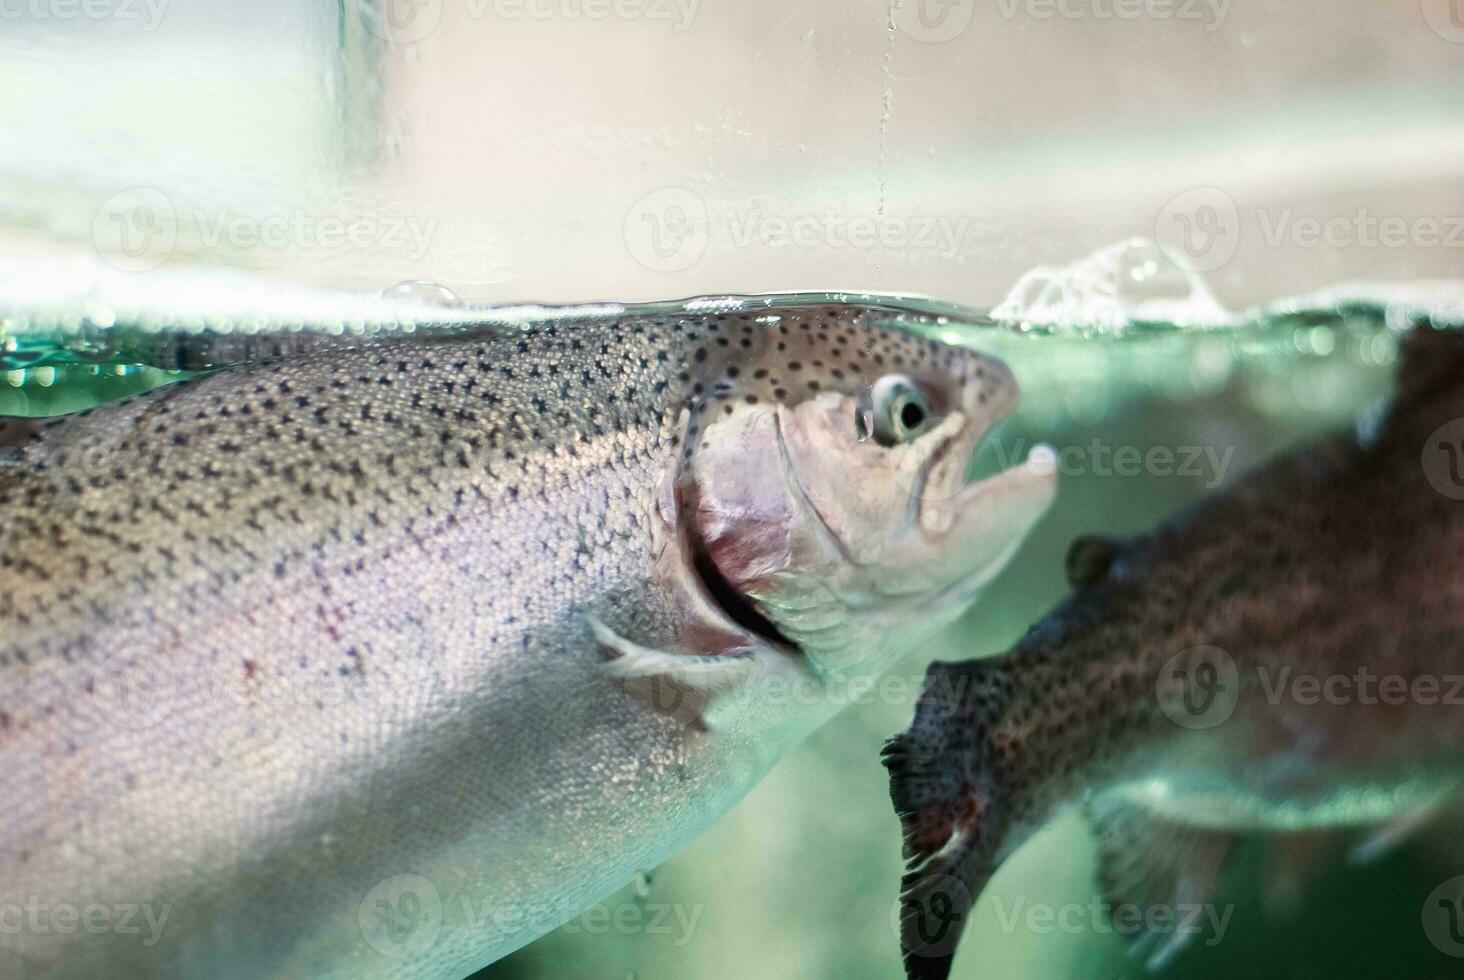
1015, 498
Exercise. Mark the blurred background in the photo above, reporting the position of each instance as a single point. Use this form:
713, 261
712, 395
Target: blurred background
571, 150
589, 150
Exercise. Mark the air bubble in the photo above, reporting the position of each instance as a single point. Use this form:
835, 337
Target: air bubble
421, 291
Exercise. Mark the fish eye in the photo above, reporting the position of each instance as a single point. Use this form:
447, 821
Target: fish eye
899, 409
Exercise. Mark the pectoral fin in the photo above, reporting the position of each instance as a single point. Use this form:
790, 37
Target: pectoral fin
689, 688
1383, 840
1159, 878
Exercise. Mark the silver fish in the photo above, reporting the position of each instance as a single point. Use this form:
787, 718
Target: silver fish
1284, 658
385, 660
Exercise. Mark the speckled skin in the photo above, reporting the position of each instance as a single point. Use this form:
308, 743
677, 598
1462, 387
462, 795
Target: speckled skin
1340, 557
273, 637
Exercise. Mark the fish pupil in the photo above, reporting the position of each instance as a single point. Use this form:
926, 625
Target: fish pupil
911, 415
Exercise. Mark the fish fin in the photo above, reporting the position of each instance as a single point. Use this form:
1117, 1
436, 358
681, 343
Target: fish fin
1168, 870
953, 812
687, 687
1293, 860
1388, 837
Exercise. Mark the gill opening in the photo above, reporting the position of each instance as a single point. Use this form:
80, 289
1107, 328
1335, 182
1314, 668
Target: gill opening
733, 604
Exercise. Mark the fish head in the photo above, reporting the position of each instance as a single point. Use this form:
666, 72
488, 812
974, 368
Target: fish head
836, 501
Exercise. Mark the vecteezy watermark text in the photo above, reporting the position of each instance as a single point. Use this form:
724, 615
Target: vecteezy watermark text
1362, 686
1203, 228
669, 230
1360, 229
39, 917
1099, 458
1102, 917
410, 21
1200, 687
1211, 12
403, 916
300, 229
147, 13
140, 228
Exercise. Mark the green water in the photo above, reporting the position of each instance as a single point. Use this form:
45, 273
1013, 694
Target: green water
801, 879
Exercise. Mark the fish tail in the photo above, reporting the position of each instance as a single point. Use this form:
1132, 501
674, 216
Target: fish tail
951, 797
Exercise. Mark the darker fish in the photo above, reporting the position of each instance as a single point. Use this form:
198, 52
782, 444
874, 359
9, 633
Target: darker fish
1279, 659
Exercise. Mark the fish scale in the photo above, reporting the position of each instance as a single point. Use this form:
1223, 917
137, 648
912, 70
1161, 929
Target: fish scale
306, 641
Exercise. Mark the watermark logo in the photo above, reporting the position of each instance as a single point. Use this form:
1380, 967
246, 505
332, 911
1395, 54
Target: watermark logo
1446, 17
678, 13
1443, 459
1360, 229
1192, 920
1098, 458
933, 21
401, 916
147, 12
667, 230
138, 230
301, 229
135, 230
1362, 686
933, 919
134, 688
1443, 917
400, 21
37, 917
1199, 687
1211, 12
673, 920
1199, 229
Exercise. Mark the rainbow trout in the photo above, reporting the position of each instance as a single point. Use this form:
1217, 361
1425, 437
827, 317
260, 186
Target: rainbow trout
383, 660
1285, 657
